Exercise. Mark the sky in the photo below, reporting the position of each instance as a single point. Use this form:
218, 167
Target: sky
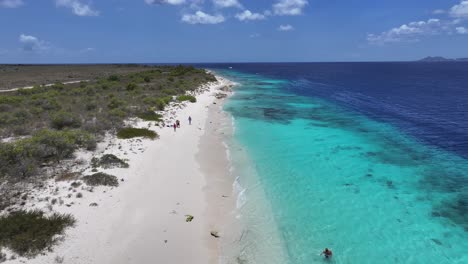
188, 31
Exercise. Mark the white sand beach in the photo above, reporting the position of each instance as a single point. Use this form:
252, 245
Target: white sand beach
144, 219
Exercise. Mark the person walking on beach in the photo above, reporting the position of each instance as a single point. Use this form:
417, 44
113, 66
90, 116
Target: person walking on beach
178, 123
175, 127
190, 120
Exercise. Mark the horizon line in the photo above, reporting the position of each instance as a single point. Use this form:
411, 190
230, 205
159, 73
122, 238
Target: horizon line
238, 62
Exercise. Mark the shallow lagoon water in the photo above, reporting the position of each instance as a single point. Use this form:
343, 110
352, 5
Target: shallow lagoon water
319, 174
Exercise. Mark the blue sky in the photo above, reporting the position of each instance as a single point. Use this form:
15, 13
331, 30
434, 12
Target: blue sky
85, 31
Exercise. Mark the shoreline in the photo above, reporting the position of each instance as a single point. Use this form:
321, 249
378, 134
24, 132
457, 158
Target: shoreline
144, 219
219, 188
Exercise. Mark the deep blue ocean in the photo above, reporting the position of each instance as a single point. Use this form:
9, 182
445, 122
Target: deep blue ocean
368, 159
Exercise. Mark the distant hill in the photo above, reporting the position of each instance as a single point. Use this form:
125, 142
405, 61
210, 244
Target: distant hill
441, 59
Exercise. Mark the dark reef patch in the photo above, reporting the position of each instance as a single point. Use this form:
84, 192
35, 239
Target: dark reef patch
456, 210
437, 241
448, 180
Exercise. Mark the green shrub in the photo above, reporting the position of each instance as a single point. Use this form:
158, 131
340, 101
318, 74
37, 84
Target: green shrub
101, 179
132, 86
34, 90
11, 100
58, 86
28, 233
109, 161
20, 159
158, 102
90, 91
211, 78
63, 120
48, 104
6, 119
147, 79
113, 78
116, 103
91, 105
169, 91
17, 161
21, 116
149, 116
130, 132
167, 99
190, 98
56, 145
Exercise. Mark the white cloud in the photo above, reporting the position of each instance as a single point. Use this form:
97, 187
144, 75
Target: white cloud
412, 32
248, 15
77, 7
227, 3
289, 7
202, 18
457, 21
11, 3
460, 10
169, 2
461, 30
31, 43
438, 12
285, 27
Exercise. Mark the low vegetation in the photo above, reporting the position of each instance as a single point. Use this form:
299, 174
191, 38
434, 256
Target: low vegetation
108, 161
188, 218
21, 159
189, 98
100, 105
150, 116
28, 233
101, 179
131, 132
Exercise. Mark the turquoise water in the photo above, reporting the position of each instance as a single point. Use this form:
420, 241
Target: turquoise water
316, 175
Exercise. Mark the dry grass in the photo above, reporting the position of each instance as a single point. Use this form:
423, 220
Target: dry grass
67, 176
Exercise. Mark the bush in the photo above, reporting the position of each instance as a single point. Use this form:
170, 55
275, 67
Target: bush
118, 113
101, 179
130, 132
109, 161
49, 144
47, 104
91, 105
11, 100
116, 103
61, 120
150, 116
131, 87
28, 233
20, 159
17, 161
6, 119
113, 78
167, 99
169, 91
57, 86
190, 98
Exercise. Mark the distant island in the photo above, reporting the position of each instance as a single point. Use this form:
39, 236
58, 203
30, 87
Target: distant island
441, 59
